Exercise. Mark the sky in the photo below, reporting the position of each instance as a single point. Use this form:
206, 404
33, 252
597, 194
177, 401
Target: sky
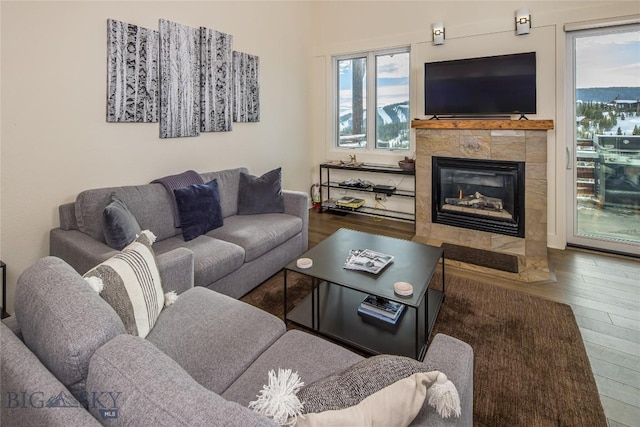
608, 60
393, 78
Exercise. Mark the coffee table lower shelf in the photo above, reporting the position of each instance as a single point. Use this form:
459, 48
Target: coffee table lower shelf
338, 319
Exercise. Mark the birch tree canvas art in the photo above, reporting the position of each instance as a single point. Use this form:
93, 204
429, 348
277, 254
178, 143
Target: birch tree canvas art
215, 80
246, 87
132, 73
179, 80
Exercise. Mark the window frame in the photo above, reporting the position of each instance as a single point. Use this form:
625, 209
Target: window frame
573, 32
371, 100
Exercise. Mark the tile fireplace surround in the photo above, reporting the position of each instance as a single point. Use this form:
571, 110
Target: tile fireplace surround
509, 140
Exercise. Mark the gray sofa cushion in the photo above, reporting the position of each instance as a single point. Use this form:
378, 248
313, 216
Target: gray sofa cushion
228, 182
156, 391
150, 204
212, 258
219, 332
22, 372
89, 207
454, 358
258, 234
311, 357
63, 321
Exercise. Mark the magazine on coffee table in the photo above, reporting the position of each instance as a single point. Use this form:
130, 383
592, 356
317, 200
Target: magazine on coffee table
367, 260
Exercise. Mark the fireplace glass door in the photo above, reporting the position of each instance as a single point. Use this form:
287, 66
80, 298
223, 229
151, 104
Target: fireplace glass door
482, 195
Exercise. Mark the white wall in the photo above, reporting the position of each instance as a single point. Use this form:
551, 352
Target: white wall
55, 141
473, 28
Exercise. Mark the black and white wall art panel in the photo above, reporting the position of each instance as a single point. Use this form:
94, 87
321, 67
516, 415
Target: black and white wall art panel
246, 87
215, 80
132, 73
179, 80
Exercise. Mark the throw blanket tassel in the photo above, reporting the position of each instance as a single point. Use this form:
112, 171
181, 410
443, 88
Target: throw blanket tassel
96, 283
443, 396
169, 298
278, 399
149, 234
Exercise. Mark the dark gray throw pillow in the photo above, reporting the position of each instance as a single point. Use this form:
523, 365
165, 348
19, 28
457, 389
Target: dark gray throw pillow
199, 208
349, 387
263, 194
119, 225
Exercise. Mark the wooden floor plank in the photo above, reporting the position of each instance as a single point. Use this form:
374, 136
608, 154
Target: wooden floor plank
600, 316
625, 290
588, 269
609, 329
600, 352
624, 322
617, 373
575, 257
604, 278
618, 391
621, 412
618, 344
613, 296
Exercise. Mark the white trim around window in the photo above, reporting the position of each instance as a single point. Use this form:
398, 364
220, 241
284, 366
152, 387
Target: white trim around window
354, 143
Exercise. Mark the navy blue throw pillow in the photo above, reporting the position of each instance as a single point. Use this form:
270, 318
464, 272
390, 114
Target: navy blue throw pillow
199, 209
261, 194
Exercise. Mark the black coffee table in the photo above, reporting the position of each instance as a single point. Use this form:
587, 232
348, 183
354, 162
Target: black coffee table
332, 307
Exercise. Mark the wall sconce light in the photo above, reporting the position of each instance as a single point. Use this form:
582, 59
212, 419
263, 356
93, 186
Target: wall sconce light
523, 21
438, 33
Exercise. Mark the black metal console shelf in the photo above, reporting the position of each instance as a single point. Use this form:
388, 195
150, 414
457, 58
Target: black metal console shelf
327, 185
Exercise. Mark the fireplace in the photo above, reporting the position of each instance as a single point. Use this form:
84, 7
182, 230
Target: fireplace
490, 140
484, 195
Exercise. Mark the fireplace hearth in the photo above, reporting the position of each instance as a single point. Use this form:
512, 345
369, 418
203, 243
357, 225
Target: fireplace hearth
484, 195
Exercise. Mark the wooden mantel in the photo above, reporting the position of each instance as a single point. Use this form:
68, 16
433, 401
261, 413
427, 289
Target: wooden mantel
483, 124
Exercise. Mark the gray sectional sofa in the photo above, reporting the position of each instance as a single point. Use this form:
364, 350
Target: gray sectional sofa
66, 359
232, 259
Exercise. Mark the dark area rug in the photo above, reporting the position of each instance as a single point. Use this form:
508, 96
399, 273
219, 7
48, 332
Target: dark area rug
497, 261
531, 367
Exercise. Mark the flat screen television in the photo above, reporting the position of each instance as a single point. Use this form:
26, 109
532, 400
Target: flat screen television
491, 85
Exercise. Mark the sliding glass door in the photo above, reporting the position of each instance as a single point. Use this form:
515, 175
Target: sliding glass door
603, 147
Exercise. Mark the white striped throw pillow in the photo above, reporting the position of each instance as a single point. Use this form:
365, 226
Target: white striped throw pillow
131, 285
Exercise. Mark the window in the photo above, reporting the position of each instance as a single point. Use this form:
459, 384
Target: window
386, 75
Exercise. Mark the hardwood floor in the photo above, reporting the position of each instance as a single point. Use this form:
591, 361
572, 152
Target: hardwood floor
602, 289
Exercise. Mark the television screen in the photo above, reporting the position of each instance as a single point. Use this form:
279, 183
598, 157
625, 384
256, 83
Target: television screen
504, 84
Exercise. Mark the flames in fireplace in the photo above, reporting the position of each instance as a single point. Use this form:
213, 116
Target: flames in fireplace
485, 195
